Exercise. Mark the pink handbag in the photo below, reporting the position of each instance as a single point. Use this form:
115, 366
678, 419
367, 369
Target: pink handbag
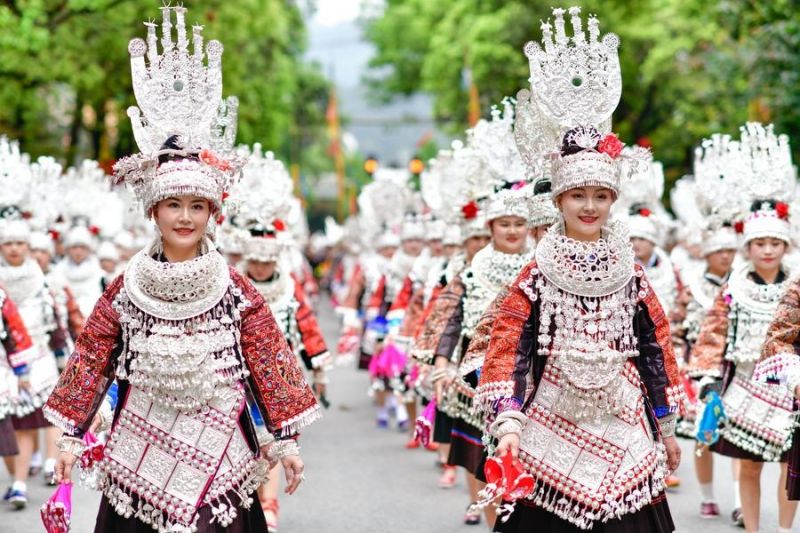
423, 426
57, 510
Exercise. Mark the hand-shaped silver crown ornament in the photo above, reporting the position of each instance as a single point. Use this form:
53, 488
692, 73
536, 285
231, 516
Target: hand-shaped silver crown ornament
179, 97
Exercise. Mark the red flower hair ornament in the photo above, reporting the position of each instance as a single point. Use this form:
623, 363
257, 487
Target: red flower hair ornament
738, 227
645, 212
210, 158
470, 210
610, 145
278, 225
782, 210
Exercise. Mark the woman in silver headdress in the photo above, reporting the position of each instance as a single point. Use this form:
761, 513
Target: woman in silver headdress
185, 335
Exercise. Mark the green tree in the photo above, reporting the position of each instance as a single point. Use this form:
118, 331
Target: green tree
689, 68
65, 75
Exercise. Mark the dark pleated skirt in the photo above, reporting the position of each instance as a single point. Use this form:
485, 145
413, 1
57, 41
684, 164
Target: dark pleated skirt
654, 518
364, 359
793, 479
466, 448
8, 441
442, 425
247, 521
35, 420
728, 449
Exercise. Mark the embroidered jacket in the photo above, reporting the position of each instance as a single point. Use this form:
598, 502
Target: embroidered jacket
278, 385
17, 349
513, 365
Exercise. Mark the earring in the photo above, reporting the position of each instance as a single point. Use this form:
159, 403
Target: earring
158, 247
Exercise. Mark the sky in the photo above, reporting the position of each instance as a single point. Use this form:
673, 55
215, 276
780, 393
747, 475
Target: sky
389, 132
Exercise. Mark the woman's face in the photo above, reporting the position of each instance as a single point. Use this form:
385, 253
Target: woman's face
261, 270
14, 252
451, 249
537, 232
475, 244
509, 234
413, 247
643, 249
719, 263
43, 258
766, 253
585, 211
182, 221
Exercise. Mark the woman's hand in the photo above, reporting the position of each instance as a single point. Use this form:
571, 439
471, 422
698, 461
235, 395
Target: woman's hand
508, 444
293, 469
797, 392
64, 463
673, 453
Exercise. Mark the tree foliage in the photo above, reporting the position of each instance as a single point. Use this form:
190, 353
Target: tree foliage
690, 68
65, 75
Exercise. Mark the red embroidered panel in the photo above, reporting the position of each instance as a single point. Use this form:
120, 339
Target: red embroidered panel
512, 313
283, 394
709, 350
15, 326
785, 329
307, 324
403, 298
663, 334
442, 308
83, 382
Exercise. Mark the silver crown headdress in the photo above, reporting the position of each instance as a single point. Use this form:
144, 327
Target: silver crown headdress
45, 195
639, 203
576, 85
15, 176
88, 201
768, 182
575, 80
260, 204
383, 204
178, 95
469, 184
718, 175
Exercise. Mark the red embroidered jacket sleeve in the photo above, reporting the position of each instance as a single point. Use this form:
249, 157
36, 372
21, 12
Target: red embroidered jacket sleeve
657, 365
313, 342
355, 288
783, 335
708, 352
479, 345
376, 300
90, 369
504, 379
75, 319
277, 383
441, 309
450, 338
399, 307
16, 341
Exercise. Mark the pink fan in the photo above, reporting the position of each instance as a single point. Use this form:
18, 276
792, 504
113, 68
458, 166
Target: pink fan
57, 510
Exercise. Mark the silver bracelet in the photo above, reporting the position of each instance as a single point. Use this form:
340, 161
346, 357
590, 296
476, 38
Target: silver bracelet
508, 427
667, 425
106, 414
439, 374
284, 448
71, 445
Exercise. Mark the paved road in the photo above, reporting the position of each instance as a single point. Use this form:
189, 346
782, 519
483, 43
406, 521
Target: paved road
361, 480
